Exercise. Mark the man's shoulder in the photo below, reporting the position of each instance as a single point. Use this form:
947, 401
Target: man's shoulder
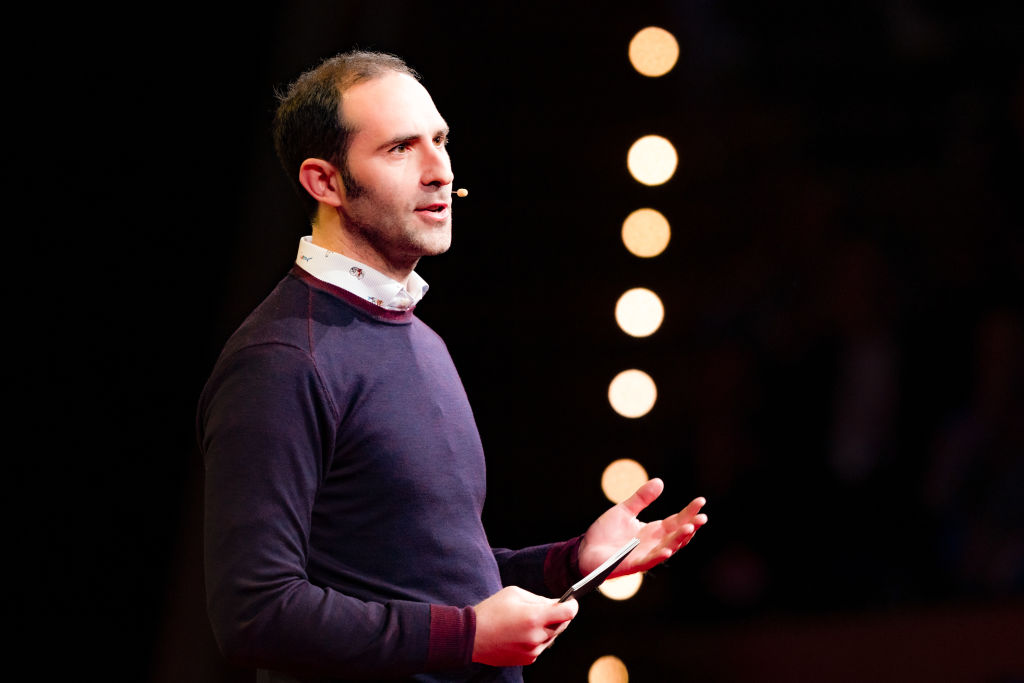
308, 314
320, 319
282, 317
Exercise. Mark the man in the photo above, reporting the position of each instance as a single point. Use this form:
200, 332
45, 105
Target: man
344, 473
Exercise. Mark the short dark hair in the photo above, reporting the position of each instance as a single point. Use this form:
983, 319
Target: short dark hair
308, 122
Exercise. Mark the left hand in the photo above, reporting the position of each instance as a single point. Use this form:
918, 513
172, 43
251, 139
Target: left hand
658, 540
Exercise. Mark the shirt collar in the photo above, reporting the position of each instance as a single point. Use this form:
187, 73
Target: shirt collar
359, 279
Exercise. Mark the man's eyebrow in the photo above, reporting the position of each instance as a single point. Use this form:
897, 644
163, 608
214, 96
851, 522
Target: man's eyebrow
403, 139
406, 138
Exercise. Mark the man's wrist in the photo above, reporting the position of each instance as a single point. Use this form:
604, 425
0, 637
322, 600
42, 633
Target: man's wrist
452, 632
562, 565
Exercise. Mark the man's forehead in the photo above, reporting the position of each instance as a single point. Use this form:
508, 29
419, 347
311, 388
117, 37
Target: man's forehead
390, 103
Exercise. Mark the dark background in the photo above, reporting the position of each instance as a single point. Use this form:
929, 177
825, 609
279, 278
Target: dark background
839, 371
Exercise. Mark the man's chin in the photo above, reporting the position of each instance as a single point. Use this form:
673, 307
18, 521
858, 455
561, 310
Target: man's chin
437, 243
439, 249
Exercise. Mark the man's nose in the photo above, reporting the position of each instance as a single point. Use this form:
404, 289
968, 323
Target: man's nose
438, 168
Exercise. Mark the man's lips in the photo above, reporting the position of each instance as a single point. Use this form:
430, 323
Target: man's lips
435, 209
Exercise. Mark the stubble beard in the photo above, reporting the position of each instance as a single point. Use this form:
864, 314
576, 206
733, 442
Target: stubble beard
375, 222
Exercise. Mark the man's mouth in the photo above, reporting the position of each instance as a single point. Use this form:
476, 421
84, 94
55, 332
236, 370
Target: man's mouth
433, 207
438, 208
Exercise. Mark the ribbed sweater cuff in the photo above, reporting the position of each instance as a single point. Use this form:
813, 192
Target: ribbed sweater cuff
562, 565
452, 630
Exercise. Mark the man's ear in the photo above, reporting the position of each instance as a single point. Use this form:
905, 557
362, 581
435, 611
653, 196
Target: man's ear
322, 181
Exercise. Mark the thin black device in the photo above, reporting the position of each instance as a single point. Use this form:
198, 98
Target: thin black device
594, 578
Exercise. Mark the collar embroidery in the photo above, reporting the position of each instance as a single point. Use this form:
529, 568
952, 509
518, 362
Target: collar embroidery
361, 280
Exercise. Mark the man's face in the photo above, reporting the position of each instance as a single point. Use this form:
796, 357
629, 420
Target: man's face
397, 203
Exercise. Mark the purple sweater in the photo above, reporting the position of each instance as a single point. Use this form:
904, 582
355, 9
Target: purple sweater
344, 485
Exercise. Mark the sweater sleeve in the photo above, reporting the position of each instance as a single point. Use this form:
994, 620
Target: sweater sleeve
266, 429
544, 569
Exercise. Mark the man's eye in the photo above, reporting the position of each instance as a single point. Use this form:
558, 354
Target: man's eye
441, 141
400, 148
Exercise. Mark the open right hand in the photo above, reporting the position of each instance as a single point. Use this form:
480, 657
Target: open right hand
514, 626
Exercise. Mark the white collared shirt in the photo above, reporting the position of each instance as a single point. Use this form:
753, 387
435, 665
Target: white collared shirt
361, 280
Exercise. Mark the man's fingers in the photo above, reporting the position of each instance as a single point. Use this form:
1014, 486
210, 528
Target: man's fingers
555, 633
695, 505
677, 535
688, 515
566, 613
562, 613
644, 496
556, 629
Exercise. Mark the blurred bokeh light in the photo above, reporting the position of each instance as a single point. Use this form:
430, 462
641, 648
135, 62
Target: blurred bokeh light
652, 160
653, 51
639, 312
621, 478
632, 393
608, 669
622, 587
646, 232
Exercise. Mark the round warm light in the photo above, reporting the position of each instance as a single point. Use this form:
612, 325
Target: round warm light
652, 160
632, 393
639, 312
608, 669
653, 51
646, 233
622, 478
622, 587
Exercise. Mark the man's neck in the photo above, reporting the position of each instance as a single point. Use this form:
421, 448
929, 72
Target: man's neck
333, 236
